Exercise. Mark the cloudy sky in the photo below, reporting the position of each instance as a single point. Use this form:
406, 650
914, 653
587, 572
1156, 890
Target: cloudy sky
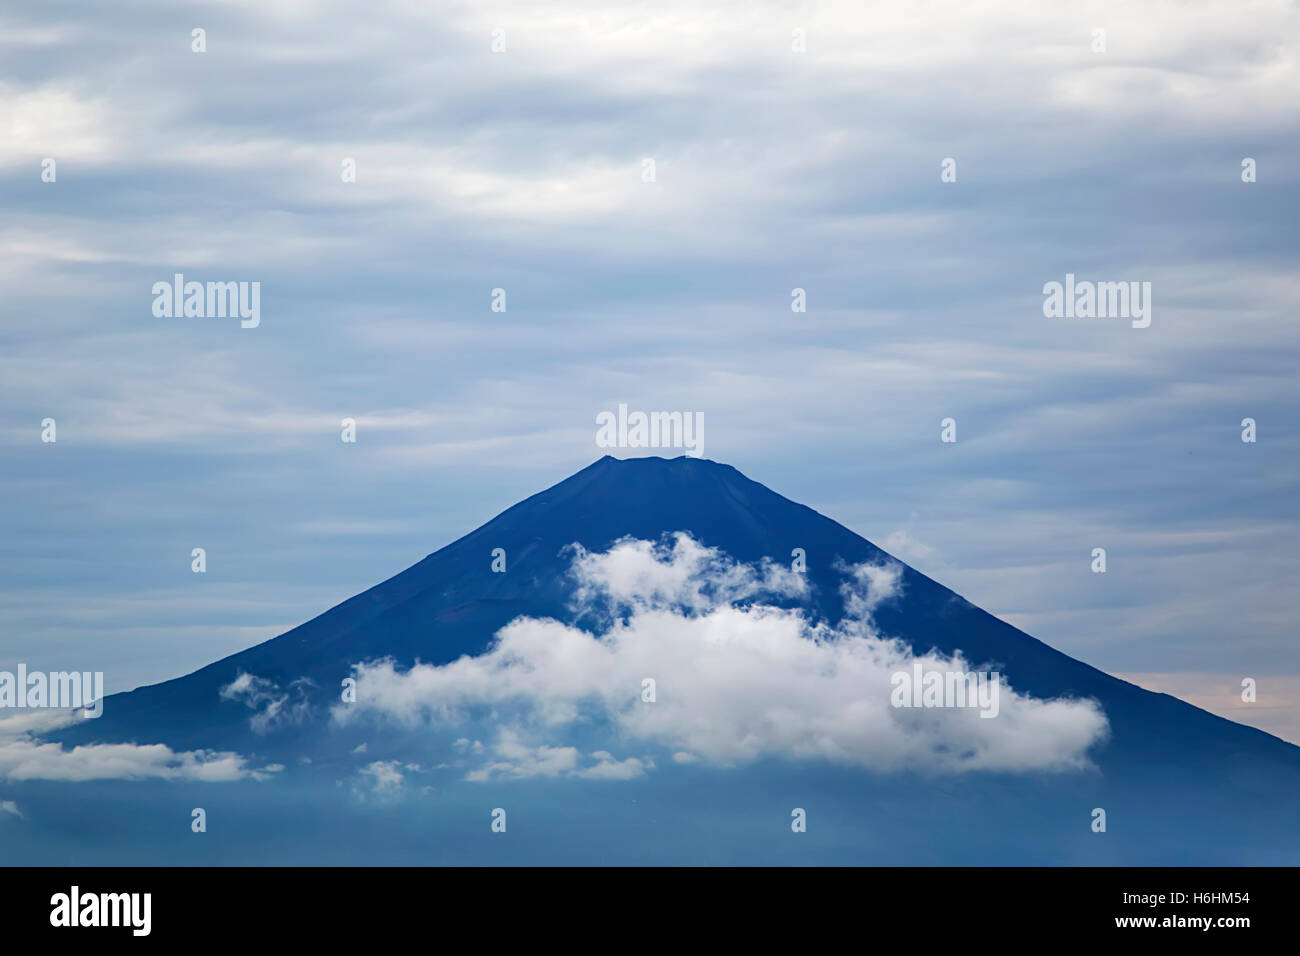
775, 168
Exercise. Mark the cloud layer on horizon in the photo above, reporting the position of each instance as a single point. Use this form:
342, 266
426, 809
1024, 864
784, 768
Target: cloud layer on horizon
23, 756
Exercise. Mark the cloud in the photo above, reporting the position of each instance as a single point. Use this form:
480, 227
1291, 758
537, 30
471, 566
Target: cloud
607, 767
904, 545
682, 573
8, 806
733, 681
24, 757
272, 707
27, 760
513, 759
385, 776
869, 586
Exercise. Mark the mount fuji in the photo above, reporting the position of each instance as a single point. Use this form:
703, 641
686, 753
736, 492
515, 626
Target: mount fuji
1175, 784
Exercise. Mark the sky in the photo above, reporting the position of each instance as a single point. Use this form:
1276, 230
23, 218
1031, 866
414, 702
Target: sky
794, 146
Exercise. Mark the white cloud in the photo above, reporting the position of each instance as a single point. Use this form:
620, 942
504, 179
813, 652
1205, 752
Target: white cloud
903, 544
683, 573
515, 759
869, 586
607, 767
734, 682
53, 121
386, 776
28, 760
272, 707
8, 806
24, 757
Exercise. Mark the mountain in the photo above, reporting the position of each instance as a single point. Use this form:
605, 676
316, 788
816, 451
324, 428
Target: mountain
1199, 784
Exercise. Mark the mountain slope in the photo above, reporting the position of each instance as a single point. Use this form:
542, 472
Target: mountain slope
1181, 785
451, 603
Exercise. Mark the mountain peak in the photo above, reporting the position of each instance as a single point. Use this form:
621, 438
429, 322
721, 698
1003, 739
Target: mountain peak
692, 463
453, 602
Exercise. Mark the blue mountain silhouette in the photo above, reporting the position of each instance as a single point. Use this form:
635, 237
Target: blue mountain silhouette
1182, 785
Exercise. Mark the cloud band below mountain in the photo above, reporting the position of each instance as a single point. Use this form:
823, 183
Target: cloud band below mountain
23, 756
